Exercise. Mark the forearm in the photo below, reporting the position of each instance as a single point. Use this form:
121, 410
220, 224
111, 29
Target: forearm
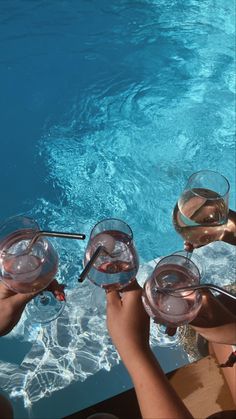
216, 320
225, 334
9, 319
11, 311
157, 399
5, 408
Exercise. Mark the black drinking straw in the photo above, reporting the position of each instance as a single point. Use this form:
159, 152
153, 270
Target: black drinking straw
89, 265
61, 234
172, 291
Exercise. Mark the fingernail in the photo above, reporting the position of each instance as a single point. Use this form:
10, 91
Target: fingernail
61, 297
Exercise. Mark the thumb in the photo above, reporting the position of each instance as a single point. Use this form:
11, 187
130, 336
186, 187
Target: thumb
170, 331
20, 300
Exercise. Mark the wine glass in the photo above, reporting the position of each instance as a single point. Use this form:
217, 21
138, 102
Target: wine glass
195, 258
164, 303
116, 263
26, 269
201, 213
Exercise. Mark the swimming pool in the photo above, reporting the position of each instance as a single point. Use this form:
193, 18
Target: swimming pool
106, 108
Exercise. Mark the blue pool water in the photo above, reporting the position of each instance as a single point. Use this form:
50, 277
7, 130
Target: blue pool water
107, 107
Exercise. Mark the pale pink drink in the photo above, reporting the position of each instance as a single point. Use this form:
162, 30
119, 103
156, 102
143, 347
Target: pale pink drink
200, 208
160, 297
165, 304
117, 263
26, 268
25, 272
201, 213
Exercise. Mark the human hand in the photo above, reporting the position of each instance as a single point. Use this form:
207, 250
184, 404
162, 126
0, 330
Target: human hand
12, 304
128, 324
225, 232
216, 320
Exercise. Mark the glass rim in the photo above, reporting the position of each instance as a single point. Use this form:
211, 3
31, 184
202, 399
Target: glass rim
210, 171
19, 216
186, 259
113, 219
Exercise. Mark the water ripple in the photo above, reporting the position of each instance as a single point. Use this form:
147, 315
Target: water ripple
77, 344
157, 106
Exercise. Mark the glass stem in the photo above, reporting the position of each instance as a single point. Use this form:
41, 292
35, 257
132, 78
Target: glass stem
43, 298
189, 254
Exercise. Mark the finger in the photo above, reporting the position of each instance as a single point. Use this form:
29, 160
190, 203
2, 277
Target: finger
189, 247
20, 300
57, 290
132, 287
56, 286
171, 331
113, 299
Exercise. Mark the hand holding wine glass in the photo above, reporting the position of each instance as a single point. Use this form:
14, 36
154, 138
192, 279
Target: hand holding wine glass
28, 265
128, 323
26, 269
128, 326
228, 234
111, 260
13, 304
162, 300
201, 213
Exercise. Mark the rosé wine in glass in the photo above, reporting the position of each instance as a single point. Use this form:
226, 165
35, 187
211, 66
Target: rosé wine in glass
172, 308
27, 272
200, 208
26, 269
201, 213
117, 263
